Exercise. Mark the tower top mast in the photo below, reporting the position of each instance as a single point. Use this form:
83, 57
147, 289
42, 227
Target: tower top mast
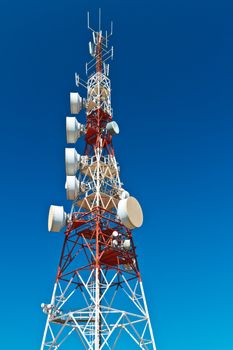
99, 48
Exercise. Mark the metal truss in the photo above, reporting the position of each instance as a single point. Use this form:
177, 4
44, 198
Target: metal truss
98, 295
88, 296
99, 93
81, 288
105, 170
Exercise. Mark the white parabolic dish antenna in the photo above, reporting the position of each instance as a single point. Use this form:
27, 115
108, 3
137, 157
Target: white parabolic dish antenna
124, 194
75, 103
56, 219
72, 187
73, 129
113, 128
130, 212
72, 159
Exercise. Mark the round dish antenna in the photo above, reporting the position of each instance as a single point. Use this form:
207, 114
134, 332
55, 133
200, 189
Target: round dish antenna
124, 194
56, 219
72, 187
113, 128
73, 129
130, 212
126, 244
75, 103
115, 234
114, 243
72, 160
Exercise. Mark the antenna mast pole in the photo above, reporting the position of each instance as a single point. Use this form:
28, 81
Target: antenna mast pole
99, 53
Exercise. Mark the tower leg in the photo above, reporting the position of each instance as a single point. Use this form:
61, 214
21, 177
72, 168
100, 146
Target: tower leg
97, 310
47, 321
148, 316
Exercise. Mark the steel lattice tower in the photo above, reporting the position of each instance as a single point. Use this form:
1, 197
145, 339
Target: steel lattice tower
98, 295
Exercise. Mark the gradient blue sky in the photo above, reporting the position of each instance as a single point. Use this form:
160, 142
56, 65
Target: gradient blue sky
172, 80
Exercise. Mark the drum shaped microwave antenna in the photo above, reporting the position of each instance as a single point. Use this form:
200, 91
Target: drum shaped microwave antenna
130, 212
75, 103
72, 187
113, 128
73, 129
72, 160
57, 218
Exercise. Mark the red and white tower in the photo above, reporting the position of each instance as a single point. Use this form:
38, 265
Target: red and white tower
98, 295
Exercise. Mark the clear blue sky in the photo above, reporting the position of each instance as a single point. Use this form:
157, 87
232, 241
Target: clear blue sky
172, 81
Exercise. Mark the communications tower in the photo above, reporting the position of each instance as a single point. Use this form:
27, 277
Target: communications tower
98, 297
